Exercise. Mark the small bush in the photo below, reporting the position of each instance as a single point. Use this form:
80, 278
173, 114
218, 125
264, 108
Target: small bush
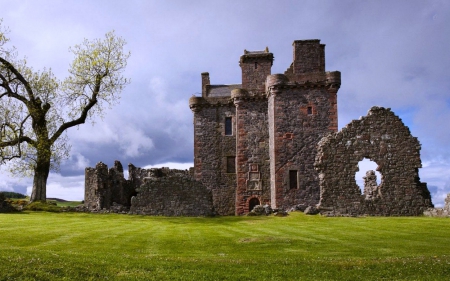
20, 202
42, 206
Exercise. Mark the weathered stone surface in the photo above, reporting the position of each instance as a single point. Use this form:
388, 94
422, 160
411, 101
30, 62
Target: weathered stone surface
299, 207
381, 137
164, 191
169, 192
277, 121
311, 210
104, 187
258, 211
371, 189
211, 149
439, 212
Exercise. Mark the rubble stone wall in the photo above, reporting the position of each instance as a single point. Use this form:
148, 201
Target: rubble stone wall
294, 133
252, 152
169, 192
103, 187
439, 212
157, 191
211, 149
381, 137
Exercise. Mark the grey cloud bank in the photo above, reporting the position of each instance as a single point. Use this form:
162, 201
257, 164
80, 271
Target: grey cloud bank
391, 54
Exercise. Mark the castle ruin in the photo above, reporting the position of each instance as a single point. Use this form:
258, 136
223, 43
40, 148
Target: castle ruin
273, 140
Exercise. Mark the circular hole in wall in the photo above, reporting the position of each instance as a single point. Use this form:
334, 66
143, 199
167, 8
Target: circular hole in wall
364, 166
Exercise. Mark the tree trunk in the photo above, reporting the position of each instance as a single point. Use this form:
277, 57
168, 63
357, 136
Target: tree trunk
41, 172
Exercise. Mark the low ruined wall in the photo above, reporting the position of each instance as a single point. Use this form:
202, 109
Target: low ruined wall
381, 137
171, 193
104, 187
439, 212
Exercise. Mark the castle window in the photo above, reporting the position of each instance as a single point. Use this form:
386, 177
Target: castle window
231, 164
293, 179
228, 126
256, 65
309, 111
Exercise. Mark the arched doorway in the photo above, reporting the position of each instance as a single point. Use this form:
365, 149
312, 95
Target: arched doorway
252, 203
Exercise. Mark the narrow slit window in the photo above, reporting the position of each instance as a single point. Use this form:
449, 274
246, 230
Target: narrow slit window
231, 164
293, 179
256, 65
310, 110
228, 126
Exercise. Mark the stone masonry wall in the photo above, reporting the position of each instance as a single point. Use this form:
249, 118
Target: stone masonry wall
255, 67
309, 56
252, 151
211, 149
103, 187
294, 133
169, 192
164, 191
381, 137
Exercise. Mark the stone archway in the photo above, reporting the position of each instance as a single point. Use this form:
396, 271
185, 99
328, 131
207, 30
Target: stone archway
382, 137
252, 203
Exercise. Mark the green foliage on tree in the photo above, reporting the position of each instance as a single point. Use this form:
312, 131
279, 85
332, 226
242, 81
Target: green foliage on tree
36, 108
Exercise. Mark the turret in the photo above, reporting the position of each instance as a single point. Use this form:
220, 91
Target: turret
255, 65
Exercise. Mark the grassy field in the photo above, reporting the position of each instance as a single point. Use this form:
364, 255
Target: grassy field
76, 246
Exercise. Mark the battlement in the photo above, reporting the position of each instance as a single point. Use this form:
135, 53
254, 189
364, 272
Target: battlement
256, 56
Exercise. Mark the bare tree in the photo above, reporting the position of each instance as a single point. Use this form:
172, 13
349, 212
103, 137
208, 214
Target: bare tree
36, 108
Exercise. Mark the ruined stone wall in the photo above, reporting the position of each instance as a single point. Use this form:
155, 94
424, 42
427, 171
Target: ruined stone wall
381, 137
252, 150
298, 119
211, 149
169, 192
103, 187
439, 212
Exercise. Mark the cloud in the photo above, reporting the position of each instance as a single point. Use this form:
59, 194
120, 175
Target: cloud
437, 176
67, 188
8, 183
171, 165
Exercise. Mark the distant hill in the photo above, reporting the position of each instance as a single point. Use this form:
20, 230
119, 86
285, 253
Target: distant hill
9, 194
57, 199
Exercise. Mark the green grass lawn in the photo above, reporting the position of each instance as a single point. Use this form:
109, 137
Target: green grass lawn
76, 246
67, 203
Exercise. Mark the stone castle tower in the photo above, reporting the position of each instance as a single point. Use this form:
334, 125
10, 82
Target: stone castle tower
255, 142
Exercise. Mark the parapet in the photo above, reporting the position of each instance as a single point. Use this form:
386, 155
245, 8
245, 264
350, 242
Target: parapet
239, 93
195, 103
250, 56
333, 77
276, 79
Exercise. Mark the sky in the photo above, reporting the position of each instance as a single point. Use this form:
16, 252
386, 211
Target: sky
391, 53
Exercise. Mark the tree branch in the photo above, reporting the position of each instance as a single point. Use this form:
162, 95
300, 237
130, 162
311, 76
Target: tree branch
9, 92
80, 120
19, 76
17, 141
